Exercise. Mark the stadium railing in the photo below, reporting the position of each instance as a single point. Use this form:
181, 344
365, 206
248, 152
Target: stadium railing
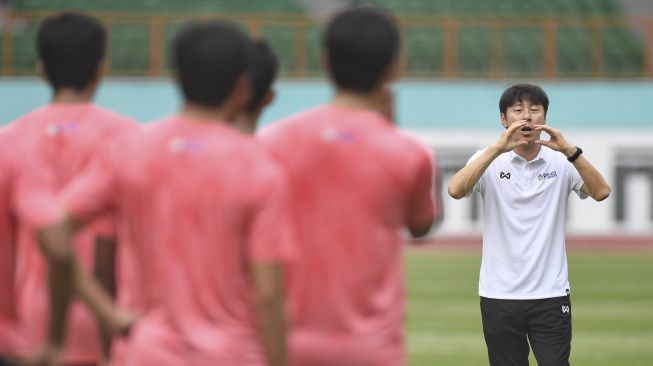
434, 46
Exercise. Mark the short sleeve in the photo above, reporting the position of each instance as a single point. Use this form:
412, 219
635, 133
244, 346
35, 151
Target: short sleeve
480, 185
35, 199
271, 229
92, 194
423, 204
576, 182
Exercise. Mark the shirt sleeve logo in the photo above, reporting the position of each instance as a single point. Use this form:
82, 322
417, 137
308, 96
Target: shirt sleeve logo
504, 175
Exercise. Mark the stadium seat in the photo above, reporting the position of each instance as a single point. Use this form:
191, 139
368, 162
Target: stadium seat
521, 54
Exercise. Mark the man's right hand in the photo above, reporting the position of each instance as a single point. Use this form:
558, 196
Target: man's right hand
506, 142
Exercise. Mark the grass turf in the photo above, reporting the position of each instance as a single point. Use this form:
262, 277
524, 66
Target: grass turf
612, 301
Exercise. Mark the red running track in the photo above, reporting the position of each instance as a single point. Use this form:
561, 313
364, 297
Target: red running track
610, 242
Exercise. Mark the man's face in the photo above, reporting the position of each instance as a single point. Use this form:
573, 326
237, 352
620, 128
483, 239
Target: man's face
531, 113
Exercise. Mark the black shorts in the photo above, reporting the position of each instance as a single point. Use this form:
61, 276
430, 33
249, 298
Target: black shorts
510, 325
4, 362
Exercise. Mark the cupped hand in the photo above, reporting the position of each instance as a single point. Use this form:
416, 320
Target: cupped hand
556, 141
506, 142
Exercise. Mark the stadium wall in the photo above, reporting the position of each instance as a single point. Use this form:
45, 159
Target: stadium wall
609, 120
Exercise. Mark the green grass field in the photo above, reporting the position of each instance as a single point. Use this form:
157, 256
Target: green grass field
612, 302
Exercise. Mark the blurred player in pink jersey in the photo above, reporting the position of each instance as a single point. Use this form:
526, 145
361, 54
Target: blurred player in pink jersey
62, 138
356, 181
27, 200
204, 209
263, 69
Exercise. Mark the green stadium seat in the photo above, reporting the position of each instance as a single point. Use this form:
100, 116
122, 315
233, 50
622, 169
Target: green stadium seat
522, 53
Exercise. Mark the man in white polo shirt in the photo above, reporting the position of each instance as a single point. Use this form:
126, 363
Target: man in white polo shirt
525, 183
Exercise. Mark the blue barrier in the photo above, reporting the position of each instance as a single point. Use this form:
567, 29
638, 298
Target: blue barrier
421, 105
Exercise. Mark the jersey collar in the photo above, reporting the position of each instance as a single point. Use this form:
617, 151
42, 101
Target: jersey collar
541, 155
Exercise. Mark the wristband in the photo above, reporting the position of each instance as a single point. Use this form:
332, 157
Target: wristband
573, 158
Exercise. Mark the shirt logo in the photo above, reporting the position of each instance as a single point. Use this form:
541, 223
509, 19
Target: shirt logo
504, 175
566, 309
549, 175
63, 128
333, 135
177, 145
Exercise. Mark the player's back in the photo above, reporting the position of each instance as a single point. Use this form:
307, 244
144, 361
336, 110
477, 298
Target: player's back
65, 138
351, 175
188, 199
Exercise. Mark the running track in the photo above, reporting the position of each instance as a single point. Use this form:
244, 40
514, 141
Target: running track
576, 242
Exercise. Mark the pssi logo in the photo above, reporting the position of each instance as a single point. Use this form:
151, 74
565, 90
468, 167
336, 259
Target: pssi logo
549, 175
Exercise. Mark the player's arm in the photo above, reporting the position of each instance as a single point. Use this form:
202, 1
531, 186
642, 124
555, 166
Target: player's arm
101, 304
465, 179
35, 206
423, 207
419, 230
59, 255
270, 246
421, 226
594, 184
87, 197
68, 278
104, 272
270, 310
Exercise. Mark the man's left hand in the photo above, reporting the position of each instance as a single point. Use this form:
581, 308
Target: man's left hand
556, 141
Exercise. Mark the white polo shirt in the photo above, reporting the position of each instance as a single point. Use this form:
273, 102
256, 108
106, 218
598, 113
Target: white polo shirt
524, 211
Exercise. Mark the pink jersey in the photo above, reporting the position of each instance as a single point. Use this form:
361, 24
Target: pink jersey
198, 204
27, 198
65, 138
356, 182
9, 339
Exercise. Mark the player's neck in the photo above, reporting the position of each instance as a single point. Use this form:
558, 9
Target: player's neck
528, 152
73, 96
207, 114
354, 100
246, 123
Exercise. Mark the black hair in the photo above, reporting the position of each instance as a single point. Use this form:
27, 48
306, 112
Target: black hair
361, 43
523, 92
209, 58
71, 47
263, 69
